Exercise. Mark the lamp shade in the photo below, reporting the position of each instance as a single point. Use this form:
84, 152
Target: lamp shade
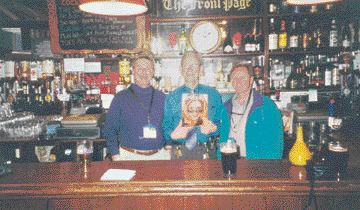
310, 2
113, 7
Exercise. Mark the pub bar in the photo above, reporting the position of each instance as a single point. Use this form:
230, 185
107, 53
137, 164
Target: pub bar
179, 104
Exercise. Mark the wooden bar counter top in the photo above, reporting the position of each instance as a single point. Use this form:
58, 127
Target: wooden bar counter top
259, 184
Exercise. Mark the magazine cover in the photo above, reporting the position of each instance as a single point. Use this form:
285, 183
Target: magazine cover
194, 109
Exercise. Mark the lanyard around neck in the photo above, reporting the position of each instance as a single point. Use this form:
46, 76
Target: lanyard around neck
141, 104
245, 108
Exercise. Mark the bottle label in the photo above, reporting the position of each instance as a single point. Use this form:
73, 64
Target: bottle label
294, 41
273, 40
305, 43
333, 42
327, 78
282, 40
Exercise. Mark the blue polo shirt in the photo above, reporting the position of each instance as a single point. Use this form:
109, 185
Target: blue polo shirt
216, 112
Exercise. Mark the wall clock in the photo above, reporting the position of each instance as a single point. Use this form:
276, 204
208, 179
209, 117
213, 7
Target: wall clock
205, 37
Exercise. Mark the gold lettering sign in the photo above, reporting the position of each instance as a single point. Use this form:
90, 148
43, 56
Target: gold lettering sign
226, 5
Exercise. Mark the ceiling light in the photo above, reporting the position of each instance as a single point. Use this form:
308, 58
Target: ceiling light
114, 7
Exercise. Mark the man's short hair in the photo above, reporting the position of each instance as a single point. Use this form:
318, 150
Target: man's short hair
191, 54
236, 66
145, 55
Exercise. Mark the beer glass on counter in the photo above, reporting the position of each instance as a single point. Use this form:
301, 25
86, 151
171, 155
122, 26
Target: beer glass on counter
229, 156
85, 150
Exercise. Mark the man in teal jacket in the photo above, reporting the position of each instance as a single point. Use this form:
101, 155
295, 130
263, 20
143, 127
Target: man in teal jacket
193, 114
255, 121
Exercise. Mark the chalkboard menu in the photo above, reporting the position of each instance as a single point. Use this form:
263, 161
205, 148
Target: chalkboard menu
75, 31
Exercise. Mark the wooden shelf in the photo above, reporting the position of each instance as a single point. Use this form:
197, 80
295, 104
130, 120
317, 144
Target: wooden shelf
327, 50
213, 55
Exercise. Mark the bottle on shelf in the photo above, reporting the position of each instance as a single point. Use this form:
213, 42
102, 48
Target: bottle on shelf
305, 35
247, 42
317, 79
228, 44
273, 36
259, 38
283, 36
346, 43
333, 34
253, 41
292, 80
183, 40
294, 37
327, 77
273, 7
299, 153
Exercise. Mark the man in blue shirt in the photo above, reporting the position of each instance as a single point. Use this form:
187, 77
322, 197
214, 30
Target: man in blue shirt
194, 114
134, 119
255, 121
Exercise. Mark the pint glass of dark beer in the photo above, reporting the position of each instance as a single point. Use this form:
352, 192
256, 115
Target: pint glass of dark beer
228, 158
338, 158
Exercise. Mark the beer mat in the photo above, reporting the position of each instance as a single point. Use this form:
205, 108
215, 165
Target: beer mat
118, 175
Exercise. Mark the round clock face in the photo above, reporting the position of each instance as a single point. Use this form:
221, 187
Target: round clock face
205, 37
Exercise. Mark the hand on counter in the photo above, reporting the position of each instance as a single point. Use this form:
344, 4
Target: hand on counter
115, 158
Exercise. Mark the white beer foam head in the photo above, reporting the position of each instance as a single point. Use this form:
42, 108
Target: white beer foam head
228, 150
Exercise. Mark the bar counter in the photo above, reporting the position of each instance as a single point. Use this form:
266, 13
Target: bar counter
259, 184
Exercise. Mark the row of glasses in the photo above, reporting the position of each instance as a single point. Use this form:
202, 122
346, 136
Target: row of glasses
5, 111
29, 128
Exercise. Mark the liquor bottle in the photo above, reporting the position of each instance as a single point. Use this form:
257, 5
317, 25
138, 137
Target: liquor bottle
305, 35
318, 38
299, 153
346, 38
273, 7
292, 80
317, 78
247, 42
182, 41
304, 79
294, 37
228, 45
327, 77
273, 36
253, 41
333, 34
258, 79
283, 36
259, 38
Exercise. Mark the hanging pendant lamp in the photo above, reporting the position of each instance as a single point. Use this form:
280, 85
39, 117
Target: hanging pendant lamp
311, 2
113, 7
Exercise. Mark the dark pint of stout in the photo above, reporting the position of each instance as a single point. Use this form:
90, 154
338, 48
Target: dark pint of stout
228, 160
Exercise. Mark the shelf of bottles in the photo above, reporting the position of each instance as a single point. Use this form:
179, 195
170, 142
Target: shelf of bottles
242, 42
31, 85
309, 47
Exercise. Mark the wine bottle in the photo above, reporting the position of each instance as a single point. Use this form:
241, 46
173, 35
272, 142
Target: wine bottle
228, 46
260, 38
273, 36
283, 36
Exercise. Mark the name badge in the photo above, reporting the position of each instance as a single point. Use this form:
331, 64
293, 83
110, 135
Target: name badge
149, 132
